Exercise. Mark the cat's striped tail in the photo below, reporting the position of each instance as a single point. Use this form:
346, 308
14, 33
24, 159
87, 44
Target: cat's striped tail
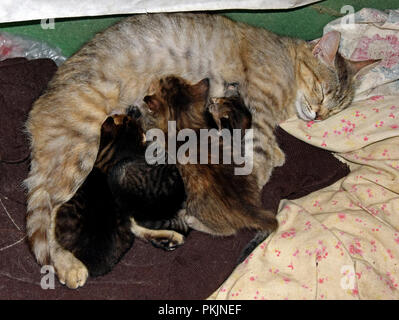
38, 222
58, 169
39, 209
64, 146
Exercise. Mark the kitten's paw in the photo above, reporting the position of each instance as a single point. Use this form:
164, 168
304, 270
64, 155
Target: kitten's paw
169, 243
165, 239
70, 271
212, 105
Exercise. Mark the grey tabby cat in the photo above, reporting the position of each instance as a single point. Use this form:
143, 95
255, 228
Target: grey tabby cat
278, 77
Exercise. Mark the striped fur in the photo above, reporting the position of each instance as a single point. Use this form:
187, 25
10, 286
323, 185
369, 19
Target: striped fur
122, 197
218, 201
115, 69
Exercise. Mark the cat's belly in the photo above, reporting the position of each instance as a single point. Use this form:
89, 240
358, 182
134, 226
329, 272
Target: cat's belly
137, 55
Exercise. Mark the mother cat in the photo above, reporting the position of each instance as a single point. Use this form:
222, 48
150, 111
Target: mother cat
277, 78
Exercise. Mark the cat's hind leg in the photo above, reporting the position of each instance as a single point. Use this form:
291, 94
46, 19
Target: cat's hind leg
64, 131
164, 239
70, 270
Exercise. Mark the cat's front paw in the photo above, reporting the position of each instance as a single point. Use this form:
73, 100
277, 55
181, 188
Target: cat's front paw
70, 271
278, 156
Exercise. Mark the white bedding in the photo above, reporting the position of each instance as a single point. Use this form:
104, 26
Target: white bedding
22, 10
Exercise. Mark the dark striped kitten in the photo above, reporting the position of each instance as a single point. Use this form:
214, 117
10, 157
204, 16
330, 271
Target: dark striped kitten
152, 194
122, 197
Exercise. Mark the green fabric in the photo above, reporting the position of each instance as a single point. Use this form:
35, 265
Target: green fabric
306, 22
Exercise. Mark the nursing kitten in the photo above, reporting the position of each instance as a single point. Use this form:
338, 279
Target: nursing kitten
278, 77
230, 112
152, 194
121, 198
218, 201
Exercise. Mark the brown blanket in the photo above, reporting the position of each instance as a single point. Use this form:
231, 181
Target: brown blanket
193, 271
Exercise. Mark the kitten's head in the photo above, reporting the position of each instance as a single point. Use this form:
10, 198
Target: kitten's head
110, 130
175, 99
230, 113
326, 80
121, 136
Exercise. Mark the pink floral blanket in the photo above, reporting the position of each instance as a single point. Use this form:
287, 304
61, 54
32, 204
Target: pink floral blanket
341, 242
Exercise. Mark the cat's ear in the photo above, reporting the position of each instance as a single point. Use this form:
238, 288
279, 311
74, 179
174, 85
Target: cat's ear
108, 132
119, 119
359, 68
200, 90
108, 125
327, 47
153, 103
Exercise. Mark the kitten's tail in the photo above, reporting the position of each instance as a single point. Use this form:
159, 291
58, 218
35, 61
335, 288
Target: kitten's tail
252, 245
266, 223
265, 220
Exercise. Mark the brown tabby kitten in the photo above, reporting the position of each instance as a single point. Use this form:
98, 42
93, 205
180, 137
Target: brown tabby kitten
278, 78
218, 201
